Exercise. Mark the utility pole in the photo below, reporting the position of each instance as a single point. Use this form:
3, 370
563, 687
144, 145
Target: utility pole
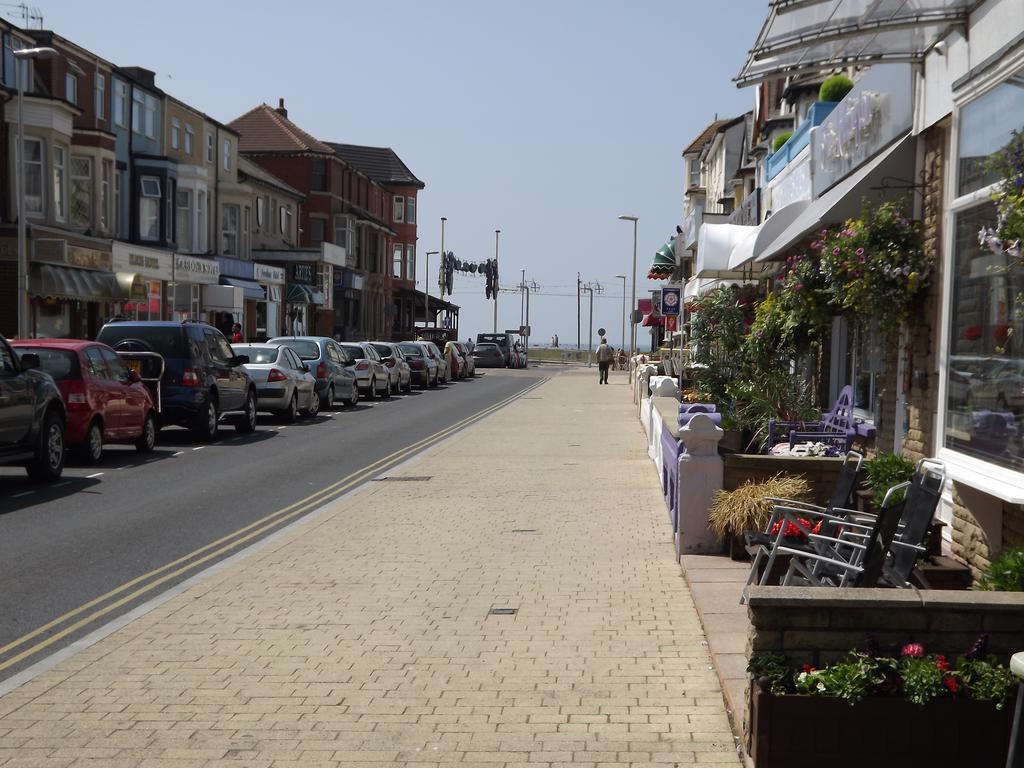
522, 287
497, 232
579, 346
591, 288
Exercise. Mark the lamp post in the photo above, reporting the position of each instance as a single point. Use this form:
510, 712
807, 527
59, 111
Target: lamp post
426, 308
443, 220
632, 304
44, 52
494, 329
623, 279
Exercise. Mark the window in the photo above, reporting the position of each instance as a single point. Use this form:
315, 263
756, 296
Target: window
149, 208
138, 105
169, 199
261, 212
117, 370
694, 172
246, 229
183, 223
71, 88
150, 109
189, 139
209, 148
60, 184
986, 126
285, 219
175, 131
101, 95
81, 191
202, 228
106, 171
229, 230
94, 363
33, 176
342, 231
319, 180
410, 263
120, 103
399, 208
410, 210
397, 252
117, 219
316, 231
227, 154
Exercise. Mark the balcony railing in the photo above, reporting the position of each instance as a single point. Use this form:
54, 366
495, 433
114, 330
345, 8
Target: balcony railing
776, 163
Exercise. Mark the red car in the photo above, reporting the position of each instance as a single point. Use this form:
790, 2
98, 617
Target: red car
106, 402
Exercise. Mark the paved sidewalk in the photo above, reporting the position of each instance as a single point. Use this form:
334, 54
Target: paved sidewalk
364, 638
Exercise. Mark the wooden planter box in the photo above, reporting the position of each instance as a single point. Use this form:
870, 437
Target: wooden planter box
817, 731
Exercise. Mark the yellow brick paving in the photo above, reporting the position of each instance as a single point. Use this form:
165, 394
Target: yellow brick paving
364, 637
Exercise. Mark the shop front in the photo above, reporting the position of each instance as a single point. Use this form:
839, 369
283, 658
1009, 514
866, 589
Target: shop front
238, 273
303, 299
268, 313
142, 274
191, 279
72, 288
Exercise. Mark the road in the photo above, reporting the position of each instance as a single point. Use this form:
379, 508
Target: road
109, 537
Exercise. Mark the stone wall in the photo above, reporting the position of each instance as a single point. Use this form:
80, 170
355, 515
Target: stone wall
820, 472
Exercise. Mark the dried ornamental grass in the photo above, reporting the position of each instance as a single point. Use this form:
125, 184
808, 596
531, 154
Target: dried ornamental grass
746, 508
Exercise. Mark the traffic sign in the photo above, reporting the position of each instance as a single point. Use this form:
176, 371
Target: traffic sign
601, 331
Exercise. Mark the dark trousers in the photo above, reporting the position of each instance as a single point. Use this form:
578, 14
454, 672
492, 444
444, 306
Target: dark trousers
602, 369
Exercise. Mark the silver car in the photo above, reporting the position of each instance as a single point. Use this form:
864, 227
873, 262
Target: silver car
443, 369
372, 376
423, 366
394, 359
284, 385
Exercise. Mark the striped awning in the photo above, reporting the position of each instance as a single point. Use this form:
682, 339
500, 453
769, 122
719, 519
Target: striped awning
58, 282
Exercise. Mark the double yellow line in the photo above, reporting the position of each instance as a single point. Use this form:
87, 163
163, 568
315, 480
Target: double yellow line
225, 544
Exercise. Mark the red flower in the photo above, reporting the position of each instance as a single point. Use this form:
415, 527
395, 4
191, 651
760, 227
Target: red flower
793, 531
913, 650
808, 668
942, 663
951, 684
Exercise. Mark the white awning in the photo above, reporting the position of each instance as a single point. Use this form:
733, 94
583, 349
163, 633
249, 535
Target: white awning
845, 200
752, 246
715, 245
696, 286
815, 35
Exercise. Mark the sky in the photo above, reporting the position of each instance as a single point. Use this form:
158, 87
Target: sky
545, 119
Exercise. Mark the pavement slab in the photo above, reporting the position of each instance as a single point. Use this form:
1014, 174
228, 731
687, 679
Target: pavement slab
518, 603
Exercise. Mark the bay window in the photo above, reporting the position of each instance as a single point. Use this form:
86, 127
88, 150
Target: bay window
33, 177
316, 231
285, 219
149, 208
342, 231
410, 210
410, 262
81, 191
399, 209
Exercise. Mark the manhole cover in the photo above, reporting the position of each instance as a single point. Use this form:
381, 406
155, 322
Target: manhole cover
503, 611
404, 479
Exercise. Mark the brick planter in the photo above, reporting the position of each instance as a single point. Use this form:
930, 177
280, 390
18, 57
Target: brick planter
819, 471
816, 731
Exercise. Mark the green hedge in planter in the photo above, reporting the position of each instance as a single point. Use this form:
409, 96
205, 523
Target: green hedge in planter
835, 88
781, 139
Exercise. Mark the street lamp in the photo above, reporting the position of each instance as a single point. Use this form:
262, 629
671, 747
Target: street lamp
44, 52
426, 308
497, 232
623, 279
632, 304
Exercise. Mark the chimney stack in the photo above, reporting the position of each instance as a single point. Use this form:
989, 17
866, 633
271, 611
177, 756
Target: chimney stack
280, 108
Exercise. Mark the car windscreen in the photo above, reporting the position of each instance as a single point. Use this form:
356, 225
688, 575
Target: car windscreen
490, 338
354, 351
383, 350
59, 363
257, 355
306, 350
411, 350
486, 348
166, 340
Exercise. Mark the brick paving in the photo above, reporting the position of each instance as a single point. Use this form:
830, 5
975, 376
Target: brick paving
364, 638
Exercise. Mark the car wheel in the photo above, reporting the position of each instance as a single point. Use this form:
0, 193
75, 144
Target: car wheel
147, 440
327, 399
372, 392
353, 399
314, 405
408, 385
248, 421
91, 450
205, 425
387, 389
49, 459
292, 413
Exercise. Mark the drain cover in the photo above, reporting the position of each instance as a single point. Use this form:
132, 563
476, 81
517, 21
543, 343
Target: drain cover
404, 479
503, 611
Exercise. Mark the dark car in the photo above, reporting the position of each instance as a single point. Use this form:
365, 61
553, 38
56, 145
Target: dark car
329, 363
488, 355
203, 379
504, 342
32, 416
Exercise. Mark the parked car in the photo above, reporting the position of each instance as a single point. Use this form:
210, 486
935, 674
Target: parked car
422, 366
372, 375
284, 385
329, 365
32, 415
488, 355
105, 401
394, 359
443, 368
456, 366
467, 359
999, 387
504, 342
203, 380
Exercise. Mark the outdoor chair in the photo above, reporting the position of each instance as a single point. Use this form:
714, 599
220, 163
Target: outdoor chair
835, 428
767, 542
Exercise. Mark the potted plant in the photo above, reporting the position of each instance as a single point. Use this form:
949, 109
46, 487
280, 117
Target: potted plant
882, 473
1006, 572
748, 508
911, 708
835, 88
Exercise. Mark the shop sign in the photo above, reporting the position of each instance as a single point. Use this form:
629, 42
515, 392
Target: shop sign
190, 269
263, 273
56, 251
150, 264
670, 300
876, 111
303, 273
327, 285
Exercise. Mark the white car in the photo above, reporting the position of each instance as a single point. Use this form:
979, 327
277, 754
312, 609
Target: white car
284, 385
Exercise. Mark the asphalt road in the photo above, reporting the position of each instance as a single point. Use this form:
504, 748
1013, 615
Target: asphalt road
108, 537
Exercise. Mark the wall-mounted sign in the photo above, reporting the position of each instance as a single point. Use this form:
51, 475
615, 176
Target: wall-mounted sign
192, 269
670, 301
303, 273
152, 264
58, 251
264, 273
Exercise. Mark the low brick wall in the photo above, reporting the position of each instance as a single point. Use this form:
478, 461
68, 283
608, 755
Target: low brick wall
820, 471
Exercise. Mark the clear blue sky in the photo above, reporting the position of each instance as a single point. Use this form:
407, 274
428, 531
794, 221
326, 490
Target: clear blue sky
543, 119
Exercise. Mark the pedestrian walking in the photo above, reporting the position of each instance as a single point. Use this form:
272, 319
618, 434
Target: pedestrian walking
236, 334
604, 360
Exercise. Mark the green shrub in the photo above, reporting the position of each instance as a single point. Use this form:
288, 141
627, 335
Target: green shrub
1006, 572
886, 470
835, 88
781, 139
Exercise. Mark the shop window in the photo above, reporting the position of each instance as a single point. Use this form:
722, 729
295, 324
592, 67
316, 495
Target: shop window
60, 184
183, 222
410, 262
229, 230
81, 191
149, 208
399, 209
33, 176
410, 210
396, 260
986, 126
864, 362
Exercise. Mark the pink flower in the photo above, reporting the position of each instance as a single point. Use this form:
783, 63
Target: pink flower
860, 251
798, 287
835, 251
913, 650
